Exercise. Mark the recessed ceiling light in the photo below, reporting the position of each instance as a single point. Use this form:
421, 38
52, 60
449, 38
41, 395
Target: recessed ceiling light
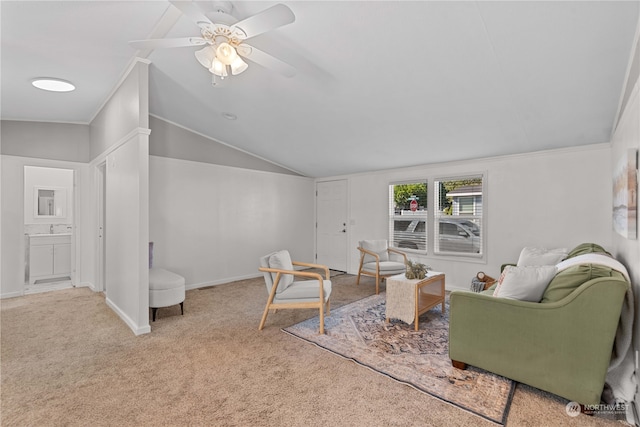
53, 85
229, 116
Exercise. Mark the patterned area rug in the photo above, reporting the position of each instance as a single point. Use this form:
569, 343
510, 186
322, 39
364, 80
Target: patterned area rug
358, 331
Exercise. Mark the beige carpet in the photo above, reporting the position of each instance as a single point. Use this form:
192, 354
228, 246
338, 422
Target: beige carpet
67, 359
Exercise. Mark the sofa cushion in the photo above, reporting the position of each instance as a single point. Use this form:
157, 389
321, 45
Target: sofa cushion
282, 261
525, 283
586, 248
570, 279
541, 256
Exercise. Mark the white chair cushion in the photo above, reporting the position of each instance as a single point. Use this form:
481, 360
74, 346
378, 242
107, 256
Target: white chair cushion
281, 260
386, 267
376, 246
165, 288
163, 279
304, 291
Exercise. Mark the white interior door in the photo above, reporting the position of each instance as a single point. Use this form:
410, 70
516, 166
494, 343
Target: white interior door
331, 228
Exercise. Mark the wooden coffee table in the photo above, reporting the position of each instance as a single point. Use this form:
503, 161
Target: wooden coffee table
407, 299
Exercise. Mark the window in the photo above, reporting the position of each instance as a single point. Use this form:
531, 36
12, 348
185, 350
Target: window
458, 216
465, 205
408, 215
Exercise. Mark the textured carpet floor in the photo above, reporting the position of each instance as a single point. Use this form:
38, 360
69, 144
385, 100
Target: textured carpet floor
358, 331
68, 360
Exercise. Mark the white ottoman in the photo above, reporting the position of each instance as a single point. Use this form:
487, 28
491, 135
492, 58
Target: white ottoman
165, 289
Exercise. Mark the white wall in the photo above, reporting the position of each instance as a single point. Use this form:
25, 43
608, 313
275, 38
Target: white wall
627, 136
13, 239
556, 198
64, 141
176, 142
120, 135
211, 223
126, 109
126, 269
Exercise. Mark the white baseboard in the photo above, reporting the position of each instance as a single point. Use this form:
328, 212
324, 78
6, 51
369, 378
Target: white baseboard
11, 294
21, 293
137, 330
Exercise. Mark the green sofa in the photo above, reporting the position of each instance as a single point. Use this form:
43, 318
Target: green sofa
562, 344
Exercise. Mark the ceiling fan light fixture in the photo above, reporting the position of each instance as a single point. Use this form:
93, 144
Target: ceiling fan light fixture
205, 56
221, 41
226, 53
218, 68
238, 66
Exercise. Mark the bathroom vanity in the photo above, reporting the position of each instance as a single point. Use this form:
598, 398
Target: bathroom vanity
49, 257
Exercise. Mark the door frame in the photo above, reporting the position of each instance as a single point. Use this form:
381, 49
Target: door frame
101, 182
75, 211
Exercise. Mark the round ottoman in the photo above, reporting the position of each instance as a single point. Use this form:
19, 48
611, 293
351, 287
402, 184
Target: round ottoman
165, 289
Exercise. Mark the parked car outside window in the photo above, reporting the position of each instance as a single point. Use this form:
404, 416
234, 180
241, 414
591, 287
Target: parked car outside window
410, 234
455, 235
458, 236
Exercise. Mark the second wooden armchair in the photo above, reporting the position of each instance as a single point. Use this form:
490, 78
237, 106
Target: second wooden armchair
378, 260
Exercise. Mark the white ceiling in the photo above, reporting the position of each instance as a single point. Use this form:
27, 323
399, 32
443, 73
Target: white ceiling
379, 84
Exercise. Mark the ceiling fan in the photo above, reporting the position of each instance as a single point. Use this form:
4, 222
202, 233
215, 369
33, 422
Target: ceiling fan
224, 41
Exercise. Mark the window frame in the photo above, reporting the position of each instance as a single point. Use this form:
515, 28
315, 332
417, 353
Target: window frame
470, 256
408, 217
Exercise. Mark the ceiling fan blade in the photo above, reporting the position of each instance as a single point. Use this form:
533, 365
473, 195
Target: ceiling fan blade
192, 12
266, 60
162, 43
273, 17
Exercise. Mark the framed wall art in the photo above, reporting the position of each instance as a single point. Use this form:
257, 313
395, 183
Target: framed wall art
625, 195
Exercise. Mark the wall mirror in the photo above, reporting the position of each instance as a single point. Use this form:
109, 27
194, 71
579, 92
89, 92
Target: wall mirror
50, 202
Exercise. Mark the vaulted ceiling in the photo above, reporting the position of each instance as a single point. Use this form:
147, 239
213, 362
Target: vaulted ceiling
378, 84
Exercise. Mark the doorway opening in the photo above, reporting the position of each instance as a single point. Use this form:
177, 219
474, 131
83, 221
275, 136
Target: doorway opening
49, 228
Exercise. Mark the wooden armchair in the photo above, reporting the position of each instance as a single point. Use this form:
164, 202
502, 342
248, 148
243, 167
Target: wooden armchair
285, 292
376, 261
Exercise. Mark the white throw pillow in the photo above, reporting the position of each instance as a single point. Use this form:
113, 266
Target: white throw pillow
525, 283
282, 260
541, 256
376, 246
500, 280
